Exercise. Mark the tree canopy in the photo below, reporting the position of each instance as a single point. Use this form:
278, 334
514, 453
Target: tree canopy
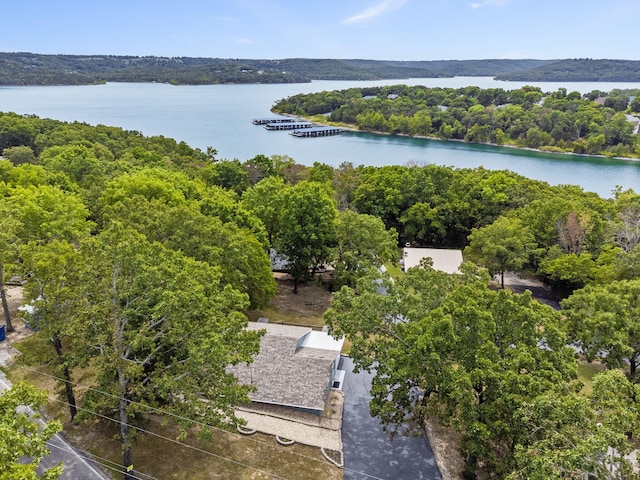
446, 346
22, 435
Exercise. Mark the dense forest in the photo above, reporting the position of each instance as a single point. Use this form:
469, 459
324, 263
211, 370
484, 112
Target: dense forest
595, 123
23, 68
579, 70
142, 256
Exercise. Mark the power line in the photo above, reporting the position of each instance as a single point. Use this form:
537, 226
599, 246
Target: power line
167, 413
178, 442
195, 422
118, 468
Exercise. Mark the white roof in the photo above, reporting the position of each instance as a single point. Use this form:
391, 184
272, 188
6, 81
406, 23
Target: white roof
323, 341
444, 260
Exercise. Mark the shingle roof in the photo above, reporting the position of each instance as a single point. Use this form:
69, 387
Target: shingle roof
293, 367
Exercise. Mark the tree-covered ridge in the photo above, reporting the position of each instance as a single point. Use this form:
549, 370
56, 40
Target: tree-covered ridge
23, 68
561, 121
579, 70
36, 69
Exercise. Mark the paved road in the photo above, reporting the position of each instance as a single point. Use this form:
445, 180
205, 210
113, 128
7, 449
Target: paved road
76, 466
368, 452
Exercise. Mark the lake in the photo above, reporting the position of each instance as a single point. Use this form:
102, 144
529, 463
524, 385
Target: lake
220, 116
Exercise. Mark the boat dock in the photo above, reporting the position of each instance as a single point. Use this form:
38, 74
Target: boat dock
301, 128
316, 132
288, 125
265, 121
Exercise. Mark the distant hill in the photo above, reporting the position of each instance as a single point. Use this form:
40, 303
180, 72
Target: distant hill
579, 70
37, 69
455, 68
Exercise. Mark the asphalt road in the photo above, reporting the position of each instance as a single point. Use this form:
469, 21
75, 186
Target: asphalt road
76, 465
368, 452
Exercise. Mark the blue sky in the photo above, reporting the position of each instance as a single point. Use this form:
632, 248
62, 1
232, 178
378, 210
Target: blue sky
370, 29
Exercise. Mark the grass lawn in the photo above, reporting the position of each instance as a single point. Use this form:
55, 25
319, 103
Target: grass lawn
586, 372
394, 270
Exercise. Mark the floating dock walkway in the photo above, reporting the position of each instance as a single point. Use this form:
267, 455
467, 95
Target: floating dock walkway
265, 121
316, 132
288, 125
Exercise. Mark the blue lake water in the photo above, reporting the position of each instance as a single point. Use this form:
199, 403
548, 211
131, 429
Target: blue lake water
220, 116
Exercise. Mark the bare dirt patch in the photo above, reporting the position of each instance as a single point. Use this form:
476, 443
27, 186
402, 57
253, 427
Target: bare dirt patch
14, 300
304, 308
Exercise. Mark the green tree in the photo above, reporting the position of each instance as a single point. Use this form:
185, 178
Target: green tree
423, 223
160, 330
568, 270
19, 155
580, 436
308, 232
37, 214
504, 245
205, 223
51, 289
22, 435
261, 166
345, 181
229, 174
46, 213
320, 172
604, 321
9, 245
448, 347
78, 162
264, 200
362, 242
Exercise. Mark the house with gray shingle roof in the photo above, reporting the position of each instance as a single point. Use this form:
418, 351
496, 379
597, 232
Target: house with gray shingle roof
296, 367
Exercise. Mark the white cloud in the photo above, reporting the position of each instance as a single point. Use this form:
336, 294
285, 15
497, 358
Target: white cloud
376, 10
489, 3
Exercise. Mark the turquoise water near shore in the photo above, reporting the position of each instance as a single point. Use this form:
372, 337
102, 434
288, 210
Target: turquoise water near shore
220, 116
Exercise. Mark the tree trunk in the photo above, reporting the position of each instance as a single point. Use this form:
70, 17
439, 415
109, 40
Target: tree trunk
5, 305
295, 285
126, 462
633, 362
502, 279
66, 376
124, 427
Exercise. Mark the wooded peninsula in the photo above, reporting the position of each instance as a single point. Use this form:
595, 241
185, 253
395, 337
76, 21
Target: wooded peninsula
23, 68
596, 123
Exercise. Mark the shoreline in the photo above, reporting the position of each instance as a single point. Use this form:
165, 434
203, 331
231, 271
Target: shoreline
351, 128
